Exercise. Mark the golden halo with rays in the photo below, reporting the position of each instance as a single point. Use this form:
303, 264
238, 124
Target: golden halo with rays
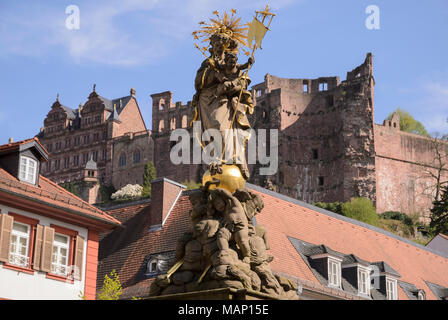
229, 25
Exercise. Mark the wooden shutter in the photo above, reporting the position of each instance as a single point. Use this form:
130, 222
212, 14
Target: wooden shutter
38, 247
47, 249
79, 255
6, 222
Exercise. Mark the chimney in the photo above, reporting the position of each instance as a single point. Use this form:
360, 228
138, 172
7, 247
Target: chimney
132, 92
164, 194
10, 140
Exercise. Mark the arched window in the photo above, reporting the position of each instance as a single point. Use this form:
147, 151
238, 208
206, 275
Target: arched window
122, 160
152, 265
173, 124
161, 105
184, 121
136, 156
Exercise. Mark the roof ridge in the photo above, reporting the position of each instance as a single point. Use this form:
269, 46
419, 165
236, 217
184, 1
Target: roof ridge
95, 209
343, 218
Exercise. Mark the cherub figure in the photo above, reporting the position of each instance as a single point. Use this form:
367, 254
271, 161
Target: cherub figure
234, 224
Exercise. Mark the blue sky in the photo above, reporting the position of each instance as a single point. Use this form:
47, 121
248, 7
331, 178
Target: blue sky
148, 45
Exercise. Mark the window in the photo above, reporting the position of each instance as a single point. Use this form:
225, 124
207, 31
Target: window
103, 155
77, 141
86, 139
321, 181
391, 289
305, 87
421, 295
57, 164
152, 265
363, 281
20, 238
334, 273
76, 160
28, 170
49, 147
259, 92
95, 155
323, 86
104, 135
96, 136
58, 145
137, 156
85, 158
122, 160
66, 163
67, 143
60, 257
315, 154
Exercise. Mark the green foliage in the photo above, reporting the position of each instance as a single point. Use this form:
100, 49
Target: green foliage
408, 123
394, 215
70, 187
148, 176
335, 207
106, 192
191, 185
439, 214
361, 209
111, 289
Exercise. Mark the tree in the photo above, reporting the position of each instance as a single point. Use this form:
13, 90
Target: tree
111, 289
408, 123
439, 214
148, 176
436, 169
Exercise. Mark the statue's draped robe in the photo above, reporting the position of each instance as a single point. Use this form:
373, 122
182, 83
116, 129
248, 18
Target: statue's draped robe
215, 111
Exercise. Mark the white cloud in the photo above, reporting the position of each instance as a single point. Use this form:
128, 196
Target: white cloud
132, 32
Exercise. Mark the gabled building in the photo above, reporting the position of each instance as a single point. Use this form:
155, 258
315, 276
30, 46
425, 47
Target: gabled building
48, 236
111, 133
328, 255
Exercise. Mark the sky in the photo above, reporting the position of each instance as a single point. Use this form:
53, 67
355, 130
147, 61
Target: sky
147, 45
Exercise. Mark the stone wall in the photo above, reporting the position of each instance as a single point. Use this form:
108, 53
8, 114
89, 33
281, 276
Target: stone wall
404, 163
137, 148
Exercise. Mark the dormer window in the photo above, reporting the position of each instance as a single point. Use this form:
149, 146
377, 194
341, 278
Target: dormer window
152, 265
363, 281
391, 289
421, 295
334, 273
28, 170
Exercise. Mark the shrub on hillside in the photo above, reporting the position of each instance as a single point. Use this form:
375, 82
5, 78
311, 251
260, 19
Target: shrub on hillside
394, 215
335, 207
361, 209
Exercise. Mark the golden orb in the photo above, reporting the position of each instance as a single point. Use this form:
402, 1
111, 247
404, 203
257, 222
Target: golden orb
230, 178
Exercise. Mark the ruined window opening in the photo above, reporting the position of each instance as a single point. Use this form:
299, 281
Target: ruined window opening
305, 87
259, 93
321, 181
161, 125
184, 121
323, 86
173, 124
315, 154
395, 124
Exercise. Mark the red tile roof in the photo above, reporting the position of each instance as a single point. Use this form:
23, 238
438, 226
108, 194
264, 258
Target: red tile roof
50, 194
125, 250
14, 145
